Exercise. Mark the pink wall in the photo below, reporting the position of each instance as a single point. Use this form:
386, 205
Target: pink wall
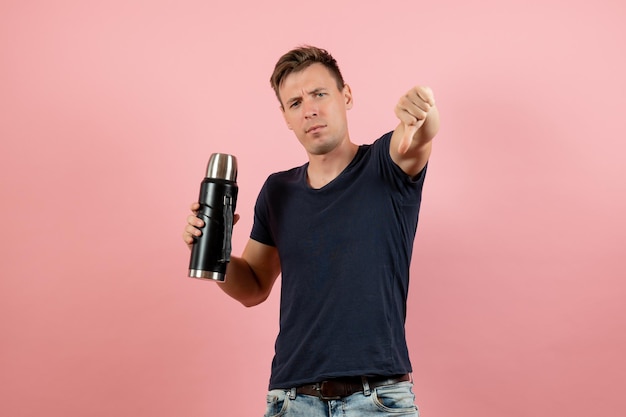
109, 111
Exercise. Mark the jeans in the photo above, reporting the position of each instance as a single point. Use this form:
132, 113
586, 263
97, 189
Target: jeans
389, 400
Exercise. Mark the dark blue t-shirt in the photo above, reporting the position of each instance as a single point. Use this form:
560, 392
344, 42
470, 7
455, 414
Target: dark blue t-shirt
345, 251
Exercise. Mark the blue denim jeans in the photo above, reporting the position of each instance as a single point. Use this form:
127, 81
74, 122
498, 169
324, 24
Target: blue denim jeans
389, 400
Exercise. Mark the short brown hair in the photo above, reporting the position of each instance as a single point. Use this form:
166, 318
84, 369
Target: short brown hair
300, 58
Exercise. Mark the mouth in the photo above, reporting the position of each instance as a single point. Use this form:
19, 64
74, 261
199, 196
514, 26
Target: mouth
314, 128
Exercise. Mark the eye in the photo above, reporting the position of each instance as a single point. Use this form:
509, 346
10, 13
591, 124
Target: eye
294, 104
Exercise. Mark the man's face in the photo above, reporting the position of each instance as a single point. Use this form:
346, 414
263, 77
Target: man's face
315, 109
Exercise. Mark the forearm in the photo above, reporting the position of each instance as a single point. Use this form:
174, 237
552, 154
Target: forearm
250, 278
242, 284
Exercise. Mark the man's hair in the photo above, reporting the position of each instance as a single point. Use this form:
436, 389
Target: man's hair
300, 58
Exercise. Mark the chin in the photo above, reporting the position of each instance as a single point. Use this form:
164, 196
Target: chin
321, 150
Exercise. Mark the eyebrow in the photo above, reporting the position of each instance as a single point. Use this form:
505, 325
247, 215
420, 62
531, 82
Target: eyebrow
311, 93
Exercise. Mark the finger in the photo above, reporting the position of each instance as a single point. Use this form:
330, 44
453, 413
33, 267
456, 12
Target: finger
416, 102
235, 219
189, 236
195, 207
417, 114
408, 113
426, 94
412, 108
195, 221
192, 231
407, 138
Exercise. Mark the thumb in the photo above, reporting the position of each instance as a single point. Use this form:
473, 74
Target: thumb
407, 137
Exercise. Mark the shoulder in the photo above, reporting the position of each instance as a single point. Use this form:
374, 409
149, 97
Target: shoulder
287, 175
279, 181
382, 142
389, 169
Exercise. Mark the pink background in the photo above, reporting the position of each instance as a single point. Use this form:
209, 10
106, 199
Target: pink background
109, 111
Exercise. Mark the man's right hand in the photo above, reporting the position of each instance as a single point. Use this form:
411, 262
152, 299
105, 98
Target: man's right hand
194, 223
192, 227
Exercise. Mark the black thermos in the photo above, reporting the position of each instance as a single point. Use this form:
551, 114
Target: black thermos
210, 252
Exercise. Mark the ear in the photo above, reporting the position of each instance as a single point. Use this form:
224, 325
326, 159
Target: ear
347, 94
282, 110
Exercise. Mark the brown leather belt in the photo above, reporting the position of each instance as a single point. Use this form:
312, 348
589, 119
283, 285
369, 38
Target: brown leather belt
335, 389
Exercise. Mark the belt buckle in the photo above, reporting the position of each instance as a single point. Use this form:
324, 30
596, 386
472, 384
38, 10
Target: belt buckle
320, 392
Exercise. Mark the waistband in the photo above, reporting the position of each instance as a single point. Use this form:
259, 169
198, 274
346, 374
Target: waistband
335, 389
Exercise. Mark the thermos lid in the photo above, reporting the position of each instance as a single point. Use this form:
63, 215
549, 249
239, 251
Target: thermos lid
222, 166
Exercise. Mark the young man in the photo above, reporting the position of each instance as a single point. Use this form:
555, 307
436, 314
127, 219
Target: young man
340, 230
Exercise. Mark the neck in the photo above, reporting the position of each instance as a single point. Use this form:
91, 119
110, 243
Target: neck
325, 168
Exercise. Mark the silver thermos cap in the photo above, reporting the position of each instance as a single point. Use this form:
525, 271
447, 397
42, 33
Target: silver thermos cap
222, 166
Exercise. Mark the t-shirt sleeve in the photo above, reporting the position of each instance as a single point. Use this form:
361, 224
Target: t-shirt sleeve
408, 187
261, 231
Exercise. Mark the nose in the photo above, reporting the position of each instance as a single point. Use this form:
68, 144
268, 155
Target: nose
310, 109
